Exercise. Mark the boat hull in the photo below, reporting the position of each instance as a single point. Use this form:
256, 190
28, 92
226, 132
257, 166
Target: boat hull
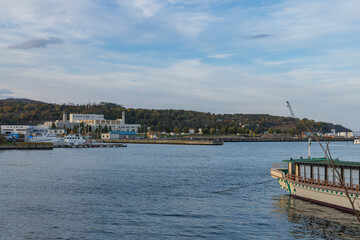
335, 198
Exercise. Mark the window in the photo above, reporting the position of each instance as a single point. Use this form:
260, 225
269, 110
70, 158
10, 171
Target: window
308, 171
322, 173
330, 174
347, 175
316, 172
355, 176
302, 170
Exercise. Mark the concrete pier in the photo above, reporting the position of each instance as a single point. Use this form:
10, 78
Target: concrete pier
28, 146
170, 142
260, 139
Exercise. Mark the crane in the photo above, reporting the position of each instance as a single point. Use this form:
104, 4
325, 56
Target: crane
291, 111
293, 115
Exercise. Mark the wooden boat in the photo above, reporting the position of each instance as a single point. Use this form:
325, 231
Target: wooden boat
313, 179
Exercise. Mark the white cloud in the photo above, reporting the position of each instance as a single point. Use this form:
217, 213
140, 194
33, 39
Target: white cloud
148, 8
221, 56
150, 53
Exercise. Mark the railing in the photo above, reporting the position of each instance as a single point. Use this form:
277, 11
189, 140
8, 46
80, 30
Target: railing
279, 166
325, 183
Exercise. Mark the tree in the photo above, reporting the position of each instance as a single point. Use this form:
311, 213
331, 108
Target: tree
2, 139
167, 129
75, 129
177, 130
292, 131
231, 130
53, 126
213, 131
223, 130
205, 130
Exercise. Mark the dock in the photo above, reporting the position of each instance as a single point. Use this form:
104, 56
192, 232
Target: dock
27, 146
274, 139
169, 142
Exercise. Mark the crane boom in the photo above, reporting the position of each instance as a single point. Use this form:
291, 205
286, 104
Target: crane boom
291, 111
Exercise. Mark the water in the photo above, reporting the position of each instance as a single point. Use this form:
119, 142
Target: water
162, 192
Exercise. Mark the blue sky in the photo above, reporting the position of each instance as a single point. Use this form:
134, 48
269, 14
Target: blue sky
213, 56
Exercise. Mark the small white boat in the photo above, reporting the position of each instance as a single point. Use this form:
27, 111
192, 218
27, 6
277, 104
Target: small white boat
47, 138
357, 141
74, 140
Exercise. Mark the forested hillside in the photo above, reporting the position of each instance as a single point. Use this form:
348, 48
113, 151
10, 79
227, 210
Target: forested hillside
25, 111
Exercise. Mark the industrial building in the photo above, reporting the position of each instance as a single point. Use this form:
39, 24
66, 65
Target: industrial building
95, 121
118, 135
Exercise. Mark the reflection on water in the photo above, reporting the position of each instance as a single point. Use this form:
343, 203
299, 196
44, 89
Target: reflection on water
313, 221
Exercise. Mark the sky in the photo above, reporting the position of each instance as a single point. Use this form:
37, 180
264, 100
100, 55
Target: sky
229, 56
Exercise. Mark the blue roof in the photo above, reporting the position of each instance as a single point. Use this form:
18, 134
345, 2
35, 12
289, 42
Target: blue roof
123, 133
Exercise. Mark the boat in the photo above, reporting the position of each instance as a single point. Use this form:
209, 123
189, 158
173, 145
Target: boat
74, 140
47, 138
314, 180
357, 141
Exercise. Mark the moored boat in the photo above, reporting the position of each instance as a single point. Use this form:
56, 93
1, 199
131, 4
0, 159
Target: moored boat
47, 138
313, 179
357, 141
74, 140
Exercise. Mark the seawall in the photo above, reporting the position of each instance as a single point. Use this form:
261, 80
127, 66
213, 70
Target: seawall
170, 142
28, 146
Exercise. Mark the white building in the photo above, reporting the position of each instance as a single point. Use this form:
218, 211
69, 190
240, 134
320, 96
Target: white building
95, 121
118, 135
83, 117
56, 132
345, 134
22, 129
14, 129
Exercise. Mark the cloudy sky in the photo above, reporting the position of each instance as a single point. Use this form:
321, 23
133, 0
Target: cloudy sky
229, 56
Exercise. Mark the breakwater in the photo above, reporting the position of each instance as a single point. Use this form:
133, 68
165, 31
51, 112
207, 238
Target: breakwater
170, 142
260, 139
27, 146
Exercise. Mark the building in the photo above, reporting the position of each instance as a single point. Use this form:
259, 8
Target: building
14, 129
345, 134
153, 135
95, 121
56, 132
83, 117
118, 135
23, 129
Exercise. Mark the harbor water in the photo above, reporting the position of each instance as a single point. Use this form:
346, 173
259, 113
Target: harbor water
163, 192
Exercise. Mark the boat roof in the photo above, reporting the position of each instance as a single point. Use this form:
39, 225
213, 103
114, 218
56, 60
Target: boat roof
322, 161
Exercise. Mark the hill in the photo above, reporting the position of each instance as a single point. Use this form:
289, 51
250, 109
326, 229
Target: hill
26, 111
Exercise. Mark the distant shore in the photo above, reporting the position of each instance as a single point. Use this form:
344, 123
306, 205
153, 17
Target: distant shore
271, 139
168, 141
213, 140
